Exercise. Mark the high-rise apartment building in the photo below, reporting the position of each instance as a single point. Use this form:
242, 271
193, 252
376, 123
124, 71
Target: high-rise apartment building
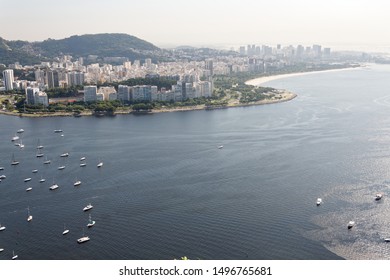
90, 93
30, 95
8, 78
35, 97
123, 93
52, 79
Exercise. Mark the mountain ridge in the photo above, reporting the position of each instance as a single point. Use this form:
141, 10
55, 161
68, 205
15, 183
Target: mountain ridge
100, 45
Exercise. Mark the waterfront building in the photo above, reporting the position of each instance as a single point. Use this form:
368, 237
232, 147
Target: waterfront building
30, 95
106, 91
8, 78
41, 98
90, 93
35, 97
141, 93
123, 93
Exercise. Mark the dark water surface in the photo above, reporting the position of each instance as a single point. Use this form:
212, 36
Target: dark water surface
166, 190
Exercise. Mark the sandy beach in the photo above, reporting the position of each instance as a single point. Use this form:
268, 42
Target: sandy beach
263, 80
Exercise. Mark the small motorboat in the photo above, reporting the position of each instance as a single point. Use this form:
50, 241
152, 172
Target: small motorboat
220, 147
387, 239
378, 196
88, 207
27, 179
28, 189
61, 167
83, 239
54, 187
64, 155
319, 201
35, 171
351, 224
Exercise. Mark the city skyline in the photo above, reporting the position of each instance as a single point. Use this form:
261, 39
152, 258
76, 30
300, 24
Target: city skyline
338, 24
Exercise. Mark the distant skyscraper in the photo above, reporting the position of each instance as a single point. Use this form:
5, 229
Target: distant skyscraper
209, 66
8, 78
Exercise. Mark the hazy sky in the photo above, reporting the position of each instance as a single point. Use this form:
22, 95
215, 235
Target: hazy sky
203, 22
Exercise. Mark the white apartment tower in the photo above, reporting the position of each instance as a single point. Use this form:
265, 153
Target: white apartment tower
8, 77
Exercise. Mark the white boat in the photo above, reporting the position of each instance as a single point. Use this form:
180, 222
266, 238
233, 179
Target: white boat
100, 164
220, 147
387, 239
54, 187
39, 154
14, 162
378, 196
77, 183
35, 171
57, 130
20, 130
83, 158
61, 167
42, 180
351, 224
62, 135
28, 189
39, 146
21, 145
27, 179
47, 161
319, 201
29, 217
90, 222
2, 227
1, 250
83, 164
15, 138
64, 155
14, 257
3, 176
66, 231
88, 207
1, 168
83, 239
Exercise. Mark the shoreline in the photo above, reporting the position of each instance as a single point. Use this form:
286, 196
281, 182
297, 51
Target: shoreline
283, 96
262, 80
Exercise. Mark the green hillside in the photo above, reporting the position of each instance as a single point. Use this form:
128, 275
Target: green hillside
101, 45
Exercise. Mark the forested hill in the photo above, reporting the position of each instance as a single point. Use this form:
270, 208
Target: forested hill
100, 45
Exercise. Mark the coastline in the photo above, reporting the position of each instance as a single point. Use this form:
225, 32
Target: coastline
281, 96
262, 80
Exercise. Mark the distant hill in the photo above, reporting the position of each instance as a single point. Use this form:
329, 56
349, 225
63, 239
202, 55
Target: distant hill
100, 45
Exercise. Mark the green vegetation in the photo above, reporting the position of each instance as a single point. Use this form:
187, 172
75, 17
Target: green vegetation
101, 45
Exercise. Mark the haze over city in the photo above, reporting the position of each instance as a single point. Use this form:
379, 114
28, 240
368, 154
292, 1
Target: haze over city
347, 24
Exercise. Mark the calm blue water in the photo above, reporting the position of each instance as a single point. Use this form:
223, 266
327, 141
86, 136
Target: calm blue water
166, 190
